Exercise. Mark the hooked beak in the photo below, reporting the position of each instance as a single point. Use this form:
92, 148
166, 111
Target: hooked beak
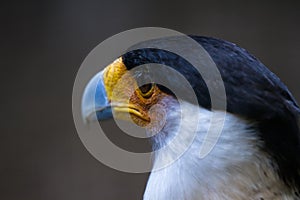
95, 105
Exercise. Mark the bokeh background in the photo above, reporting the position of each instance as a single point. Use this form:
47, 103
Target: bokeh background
42, 46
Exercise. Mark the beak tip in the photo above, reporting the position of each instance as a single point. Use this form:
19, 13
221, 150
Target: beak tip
95, 105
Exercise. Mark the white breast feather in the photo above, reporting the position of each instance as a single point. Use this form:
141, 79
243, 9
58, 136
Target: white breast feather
234, 169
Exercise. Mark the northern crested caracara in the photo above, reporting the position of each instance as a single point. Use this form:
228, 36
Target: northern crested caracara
257, 155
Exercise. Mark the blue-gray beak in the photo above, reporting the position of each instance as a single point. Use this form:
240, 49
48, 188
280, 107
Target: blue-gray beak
95, 105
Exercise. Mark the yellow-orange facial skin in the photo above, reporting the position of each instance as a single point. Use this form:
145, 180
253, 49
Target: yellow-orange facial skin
126, 98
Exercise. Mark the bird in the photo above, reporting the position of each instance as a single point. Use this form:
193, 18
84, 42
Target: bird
257, 155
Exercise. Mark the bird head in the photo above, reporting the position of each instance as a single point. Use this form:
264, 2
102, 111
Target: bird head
140, 86
128, 94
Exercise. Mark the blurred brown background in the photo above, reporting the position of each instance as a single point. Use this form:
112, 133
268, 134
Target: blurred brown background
42, 47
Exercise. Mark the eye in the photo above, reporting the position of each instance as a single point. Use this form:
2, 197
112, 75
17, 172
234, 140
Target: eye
146, 90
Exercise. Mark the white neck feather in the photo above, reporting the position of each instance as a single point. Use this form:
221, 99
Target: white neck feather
236, 168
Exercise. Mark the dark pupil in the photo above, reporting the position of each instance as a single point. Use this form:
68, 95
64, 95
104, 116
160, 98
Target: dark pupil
146, 88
